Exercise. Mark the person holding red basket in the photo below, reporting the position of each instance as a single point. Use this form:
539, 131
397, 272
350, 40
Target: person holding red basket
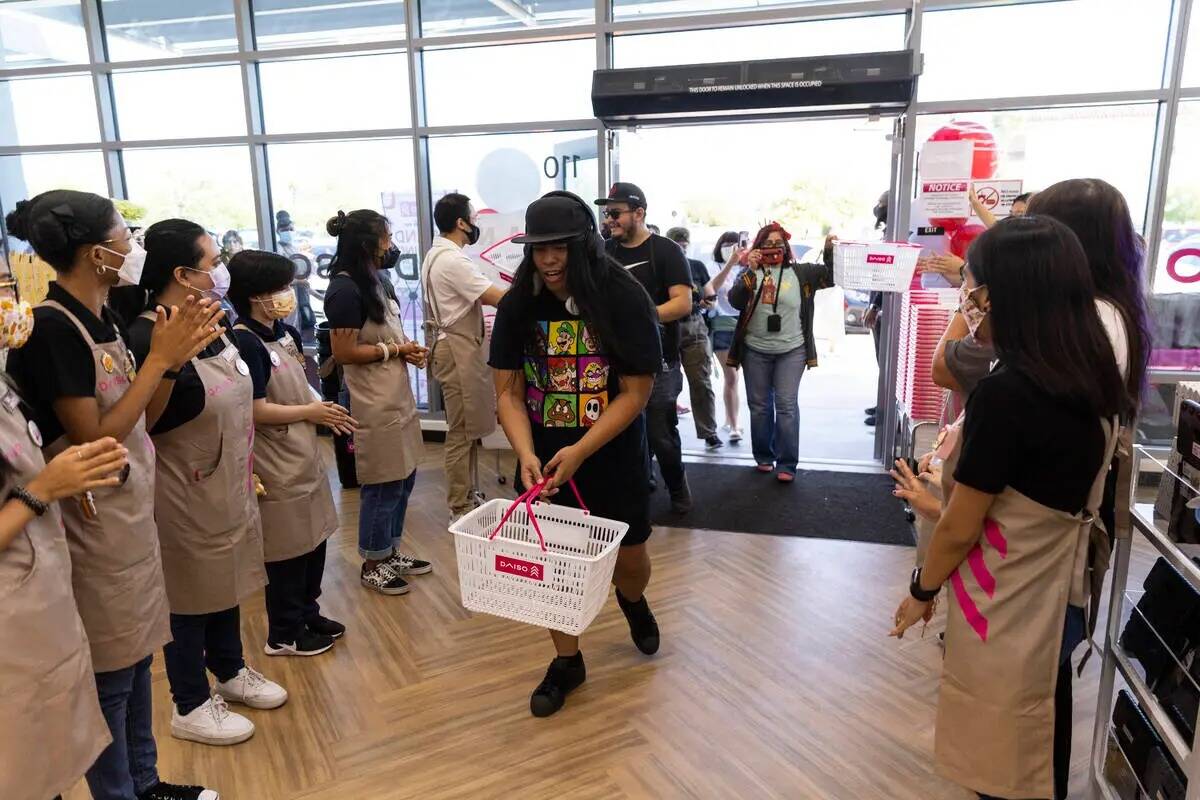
575, 349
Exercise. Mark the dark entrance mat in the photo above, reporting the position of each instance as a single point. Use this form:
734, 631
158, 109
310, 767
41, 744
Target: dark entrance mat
852, 506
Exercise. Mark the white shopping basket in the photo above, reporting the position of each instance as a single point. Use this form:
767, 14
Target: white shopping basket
552, 570
875, 266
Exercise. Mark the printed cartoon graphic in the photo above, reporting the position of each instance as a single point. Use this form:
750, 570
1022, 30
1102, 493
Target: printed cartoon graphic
534, 400
587, 342
560, 411
593, 407
562, 374
562, 338
593, 374
535, 373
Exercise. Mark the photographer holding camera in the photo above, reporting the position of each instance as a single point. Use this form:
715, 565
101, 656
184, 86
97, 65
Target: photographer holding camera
774, 342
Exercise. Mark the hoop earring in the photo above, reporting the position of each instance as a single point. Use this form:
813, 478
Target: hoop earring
538, 284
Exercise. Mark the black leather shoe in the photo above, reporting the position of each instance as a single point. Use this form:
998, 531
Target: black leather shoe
563, 676
643, 627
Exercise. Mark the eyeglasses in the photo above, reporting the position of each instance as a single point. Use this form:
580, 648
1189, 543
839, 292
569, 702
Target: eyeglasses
615, 213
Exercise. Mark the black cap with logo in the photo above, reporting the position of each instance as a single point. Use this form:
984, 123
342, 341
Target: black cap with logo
555, 219
624, 193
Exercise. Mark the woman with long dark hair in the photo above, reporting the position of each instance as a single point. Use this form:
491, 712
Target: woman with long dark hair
82, 384
369, 343
1012, 539
726, 255
207, 513
774, 343
575, 349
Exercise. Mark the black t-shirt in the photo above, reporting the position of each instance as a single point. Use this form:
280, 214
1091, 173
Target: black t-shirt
1015, 435
658, 264
571, 377
700, 278
187, 396
344, 306
255, 353
57, 362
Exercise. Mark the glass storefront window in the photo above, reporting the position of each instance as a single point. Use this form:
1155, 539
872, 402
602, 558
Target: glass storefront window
510, 83
1191, 59
41, 33
625, 9
135, 30
1043, 146
26, 176
333, 94
444, 17
312, 181
1043, 48
306, 23
208, 185
788, 40
59, 110
179, 103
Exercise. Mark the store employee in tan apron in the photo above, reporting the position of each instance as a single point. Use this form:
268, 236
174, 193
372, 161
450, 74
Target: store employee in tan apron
370, 345
1011, 545
296, 504
49, 696
81, 384
456, 291
205, 504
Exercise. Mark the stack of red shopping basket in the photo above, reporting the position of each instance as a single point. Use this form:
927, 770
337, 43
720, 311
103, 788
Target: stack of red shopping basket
924, 317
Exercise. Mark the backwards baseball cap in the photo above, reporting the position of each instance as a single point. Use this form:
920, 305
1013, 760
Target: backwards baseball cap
555, 218
624, 193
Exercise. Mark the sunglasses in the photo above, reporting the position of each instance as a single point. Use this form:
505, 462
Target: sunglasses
615, 213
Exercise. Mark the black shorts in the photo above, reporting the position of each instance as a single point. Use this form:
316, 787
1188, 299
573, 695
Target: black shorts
631, 509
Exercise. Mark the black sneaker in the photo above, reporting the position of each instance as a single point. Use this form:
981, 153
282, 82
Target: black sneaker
643, 628
713, 443
332, 629
563, 676
171, 791
407, 565
870, 412
383, 579
869, 422
307, 643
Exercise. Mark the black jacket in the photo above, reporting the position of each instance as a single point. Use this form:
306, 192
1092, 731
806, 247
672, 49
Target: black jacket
743, 296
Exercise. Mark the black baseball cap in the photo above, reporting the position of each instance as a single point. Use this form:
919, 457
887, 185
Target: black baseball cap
624, 193
555, 219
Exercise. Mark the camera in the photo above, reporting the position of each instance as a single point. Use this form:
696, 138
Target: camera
771, 256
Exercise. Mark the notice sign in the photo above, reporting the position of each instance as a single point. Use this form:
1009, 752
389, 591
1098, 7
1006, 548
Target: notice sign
945, 171
997, 196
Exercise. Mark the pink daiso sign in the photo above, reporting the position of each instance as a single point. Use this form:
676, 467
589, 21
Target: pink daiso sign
880, 258
522, 569
944, 186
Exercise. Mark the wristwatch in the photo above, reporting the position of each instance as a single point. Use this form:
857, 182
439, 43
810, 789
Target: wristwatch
21, 494
914, 588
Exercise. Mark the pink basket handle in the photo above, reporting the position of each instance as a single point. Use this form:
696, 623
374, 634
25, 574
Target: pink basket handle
528, 498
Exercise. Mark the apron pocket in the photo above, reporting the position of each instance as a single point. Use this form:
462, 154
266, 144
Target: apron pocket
211, 495
17, 563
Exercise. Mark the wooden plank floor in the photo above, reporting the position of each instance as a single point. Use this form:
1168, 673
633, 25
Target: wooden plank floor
776, 679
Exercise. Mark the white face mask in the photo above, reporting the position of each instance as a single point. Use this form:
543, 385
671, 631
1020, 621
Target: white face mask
130, 271
219, 275
726, 253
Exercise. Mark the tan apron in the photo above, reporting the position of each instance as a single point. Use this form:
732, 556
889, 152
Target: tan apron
48, 693
116, 569
1007, 603
297, 510
460, 358
208, 522
387, 443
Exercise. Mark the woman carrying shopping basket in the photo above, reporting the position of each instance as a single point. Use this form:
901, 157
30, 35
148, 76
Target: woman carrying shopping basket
575, 348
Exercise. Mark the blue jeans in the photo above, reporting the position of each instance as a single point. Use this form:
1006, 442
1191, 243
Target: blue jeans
382, 507
772, 390
129, 765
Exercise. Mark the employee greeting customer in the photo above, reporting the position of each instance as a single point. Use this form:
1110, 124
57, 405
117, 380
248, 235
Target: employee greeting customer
81, 384
369, 343
457, 291
296, 504
774, 343
204, 502
1036, 442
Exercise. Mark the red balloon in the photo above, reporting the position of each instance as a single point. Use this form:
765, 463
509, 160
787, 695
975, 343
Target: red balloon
949, 224
984, 164
961, 239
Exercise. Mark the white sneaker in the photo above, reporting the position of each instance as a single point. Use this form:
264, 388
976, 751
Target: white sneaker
250, 688
212, 723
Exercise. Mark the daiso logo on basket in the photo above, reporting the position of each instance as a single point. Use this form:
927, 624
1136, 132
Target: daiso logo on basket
522, 569
880, 258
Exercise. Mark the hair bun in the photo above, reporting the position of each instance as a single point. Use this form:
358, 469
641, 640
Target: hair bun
336, 225
17, 221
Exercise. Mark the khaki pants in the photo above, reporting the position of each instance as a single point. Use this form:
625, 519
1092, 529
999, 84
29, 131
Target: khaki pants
462, 454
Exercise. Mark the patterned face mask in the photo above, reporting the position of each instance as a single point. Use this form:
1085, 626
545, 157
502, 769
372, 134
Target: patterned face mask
17, 322
280, 304
969, 308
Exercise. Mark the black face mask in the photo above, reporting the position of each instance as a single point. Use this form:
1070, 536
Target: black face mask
473, 234
390, 258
